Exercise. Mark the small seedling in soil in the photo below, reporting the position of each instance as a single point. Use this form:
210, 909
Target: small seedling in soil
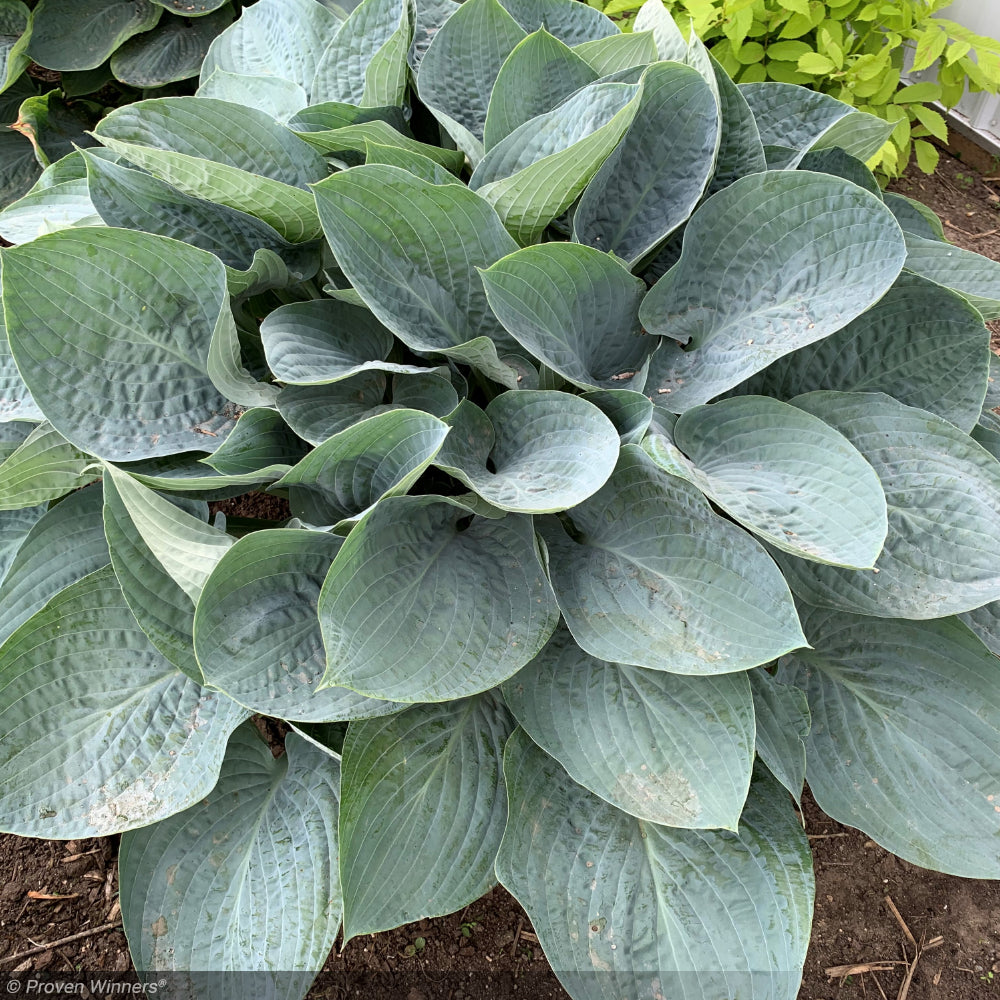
468, 927
412, 950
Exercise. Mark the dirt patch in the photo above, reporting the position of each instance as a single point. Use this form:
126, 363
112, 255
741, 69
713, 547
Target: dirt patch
489, 949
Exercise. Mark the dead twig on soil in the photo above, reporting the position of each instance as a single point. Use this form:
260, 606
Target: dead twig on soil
38, 949
965, 232
824, 836
859, 968
901, 922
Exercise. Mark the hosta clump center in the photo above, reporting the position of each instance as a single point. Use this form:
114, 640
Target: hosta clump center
641, 462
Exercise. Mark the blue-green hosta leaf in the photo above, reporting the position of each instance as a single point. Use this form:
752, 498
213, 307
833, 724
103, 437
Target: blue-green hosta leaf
275, 38
279, 98
740, 149
365, 62
783, 474
783, 721
196, 9
973, 276
765, 269
438, 857
173, 50
914, 217
324, 341
671, 45
896, 348
187, 475
184, 546
647, 574
245, 880
347, 474
539, 74
317, 412
628, 908
64, 546
142, 311
414, 161
59, 199
102, 733
837, 163
619, 52
412, 249
985, 622
12, 436
348, 144
430, 16
575, 309
82, 34
332, 116
14, 528
16, 403
943, 495
656, 175
572, 24
531, 451
460, 67
227, 153
630, 411
45, 466
260, 440
257, 636
533, 175
15, 19
661, 747
134, 199
19, 169
801, 119
908, 712
466, 606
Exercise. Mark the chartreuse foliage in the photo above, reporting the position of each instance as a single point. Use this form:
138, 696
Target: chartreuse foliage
858, 51
640, 465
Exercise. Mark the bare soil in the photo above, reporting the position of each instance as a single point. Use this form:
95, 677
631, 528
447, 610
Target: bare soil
52, 891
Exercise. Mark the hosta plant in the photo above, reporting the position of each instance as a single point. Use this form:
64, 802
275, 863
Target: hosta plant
639, 463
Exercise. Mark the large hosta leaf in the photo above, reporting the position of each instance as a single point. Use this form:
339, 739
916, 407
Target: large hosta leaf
257, 635
972, 275
45, 466
654, 178
15, 525
661, 747
92, 314
627, 908
226, 153
460, 66
437, 857
134, 199
267, 834
275, 38
465, 607
411, 249
740, 149
102, 733
533, 175
766, 268
14, 21
55, 127
896, 348
905, 731
324, 341
59, 199
985, 622
172, 51
532, 451
782, 715
647, 574
569, 23
64, 546
380, 456
943, 495
618, 53
260, 440
539, 74
796, 119
82, 34
784, 474
281, 99
365, 62
574, 308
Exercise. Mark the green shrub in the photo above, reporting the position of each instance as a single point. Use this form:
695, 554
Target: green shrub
852, 50
639, 461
